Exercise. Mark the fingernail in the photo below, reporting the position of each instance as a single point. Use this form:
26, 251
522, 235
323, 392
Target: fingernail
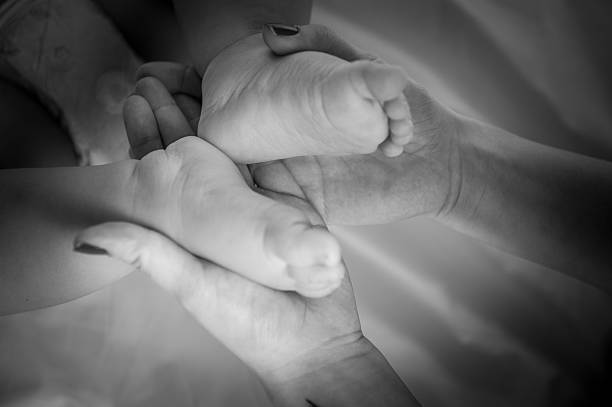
283, 30
87, 248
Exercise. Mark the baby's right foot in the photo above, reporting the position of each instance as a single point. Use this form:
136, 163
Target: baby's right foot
257, 107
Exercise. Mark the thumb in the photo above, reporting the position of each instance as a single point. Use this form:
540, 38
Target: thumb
284, 40
170, 266
176, 77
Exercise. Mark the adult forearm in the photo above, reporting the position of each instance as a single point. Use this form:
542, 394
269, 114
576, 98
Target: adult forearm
211, 25
356, 374
541, 203
41, 211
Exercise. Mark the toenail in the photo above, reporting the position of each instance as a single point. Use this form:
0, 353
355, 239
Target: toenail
283, 30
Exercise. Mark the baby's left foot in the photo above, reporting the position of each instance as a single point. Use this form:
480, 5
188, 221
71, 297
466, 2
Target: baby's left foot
258, 107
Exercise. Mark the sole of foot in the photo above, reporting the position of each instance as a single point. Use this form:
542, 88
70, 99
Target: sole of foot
258, 107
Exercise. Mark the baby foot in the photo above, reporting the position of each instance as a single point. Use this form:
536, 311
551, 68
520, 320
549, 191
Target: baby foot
258, 107
69, 54
195, 194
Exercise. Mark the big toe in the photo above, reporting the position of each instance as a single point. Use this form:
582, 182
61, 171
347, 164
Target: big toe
378, 81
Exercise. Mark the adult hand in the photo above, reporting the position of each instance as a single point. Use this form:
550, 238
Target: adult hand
366, 189
304, 351
356, 189
267, 329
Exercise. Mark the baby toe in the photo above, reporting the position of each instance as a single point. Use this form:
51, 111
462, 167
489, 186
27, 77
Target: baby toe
384, 82
397, 109
391, 149
401, 130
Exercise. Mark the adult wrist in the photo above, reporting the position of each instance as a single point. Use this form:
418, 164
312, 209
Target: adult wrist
313, 372
332, 352
354, 374
434, 158
472, 167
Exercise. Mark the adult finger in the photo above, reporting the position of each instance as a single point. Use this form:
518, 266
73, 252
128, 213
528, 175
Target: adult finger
177, 78
170, 266
171, 121
283, 40
141, 127
191, 108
